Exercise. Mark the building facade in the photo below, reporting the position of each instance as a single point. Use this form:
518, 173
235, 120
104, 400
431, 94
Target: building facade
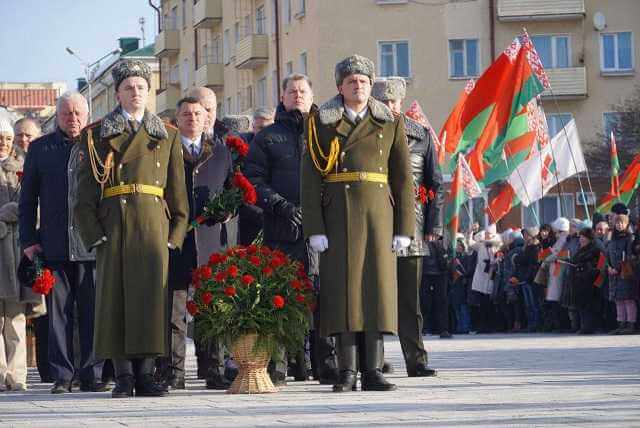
243, 48
33, 99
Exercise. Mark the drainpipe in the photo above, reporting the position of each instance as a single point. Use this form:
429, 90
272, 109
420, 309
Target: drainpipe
157, 9
277, 18
492, 30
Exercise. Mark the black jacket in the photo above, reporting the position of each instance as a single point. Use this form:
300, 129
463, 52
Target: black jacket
249, 216
45, 184
273, 166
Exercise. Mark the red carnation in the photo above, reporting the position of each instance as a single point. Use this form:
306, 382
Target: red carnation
44, 282
254, 260
233, 271
308, 284
278, 301
230, 291
299, 298
265, 251
267, 271
207, 297
296, 284
252, 249
247, 279
237, 144
217, 258
250, 196
205, 272
422, 194
192, 308
220, 276
276, 262
195, 278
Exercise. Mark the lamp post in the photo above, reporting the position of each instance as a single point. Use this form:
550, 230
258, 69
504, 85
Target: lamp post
87, 68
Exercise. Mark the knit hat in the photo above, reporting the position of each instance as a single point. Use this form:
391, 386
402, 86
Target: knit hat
5, 127
130, 68
532, 231
355, 64
586, 224
389, 89
619, 208
560, 224
237, 123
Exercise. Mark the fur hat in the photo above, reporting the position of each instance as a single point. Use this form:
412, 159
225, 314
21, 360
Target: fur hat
5, 127
560, 224
620, 208
130, 68
355, 64
237, 123
389, 89
532, 231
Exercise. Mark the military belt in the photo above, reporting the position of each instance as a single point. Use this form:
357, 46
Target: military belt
342, 177
128, 189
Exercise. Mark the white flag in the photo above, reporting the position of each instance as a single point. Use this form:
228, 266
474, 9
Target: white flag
554, 163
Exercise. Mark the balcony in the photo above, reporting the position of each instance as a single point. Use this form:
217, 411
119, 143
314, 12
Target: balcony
567, 83
540, 10
206, 13
167, 43
210, 75
252, 51
166, 100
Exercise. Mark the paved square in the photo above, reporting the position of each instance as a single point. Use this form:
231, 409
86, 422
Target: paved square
484, 380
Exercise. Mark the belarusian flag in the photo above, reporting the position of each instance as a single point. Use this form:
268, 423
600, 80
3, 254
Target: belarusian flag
615, 168
416, 113
492, 124
600, 266
451, 133
502, 203
454, 200
628, 185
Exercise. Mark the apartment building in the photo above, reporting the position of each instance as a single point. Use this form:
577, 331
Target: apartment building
243, 48
35, 99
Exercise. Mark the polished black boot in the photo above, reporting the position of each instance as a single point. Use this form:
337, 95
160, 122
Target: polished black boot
145, 384
372, 378
346, 353
124, 379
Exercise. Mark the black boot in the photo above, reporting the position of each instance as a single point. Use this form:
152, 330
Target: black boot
346, 353
372, 378
124, 379
145, 384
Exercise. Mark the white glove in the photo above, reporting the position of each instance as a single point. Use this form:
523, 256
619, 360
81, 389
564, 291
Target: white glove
400, 242
319, 243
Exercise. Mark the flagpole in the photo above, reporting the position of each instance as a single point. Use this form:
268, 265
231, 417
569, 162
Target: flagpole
526, 192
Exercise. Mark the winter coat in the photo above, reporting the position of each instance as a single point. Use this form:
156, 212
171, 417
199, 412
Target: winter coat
512, 269
527, 263
358, 271
581, 292
486, 264
132, 265
250, 217
554, 269
619, 251
462, 276
10, 254
426, 172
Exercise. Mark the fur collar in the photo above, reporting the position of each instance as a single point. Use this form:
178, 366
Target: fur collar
114, 124
414, 130
331, 112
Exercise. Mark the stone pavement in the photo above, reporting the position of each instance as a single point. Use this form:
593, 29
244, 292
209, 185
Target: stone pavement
484, 380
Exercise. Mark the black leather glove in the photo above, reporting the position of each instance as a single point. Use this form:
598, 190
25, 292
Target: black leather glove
288, 211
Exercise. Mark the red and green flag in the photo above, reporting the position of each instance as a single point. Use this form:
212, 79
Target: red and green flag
463, 187
615, 168
628, 185
503, 202
601, 275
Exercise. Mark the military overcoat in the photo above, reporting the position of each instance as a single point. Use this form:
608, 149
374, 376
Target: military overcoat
132, 264
358, 290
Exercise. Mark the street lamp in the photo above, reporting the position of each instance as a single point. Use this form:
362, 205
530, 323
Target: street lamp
87, 68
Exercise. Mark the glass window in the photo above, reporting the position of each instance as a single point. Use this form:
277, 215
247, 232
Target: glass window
225, 47
616, 51
302, 8
553, 50
289, 67
260, 20
549, 208
287, 11
556, 121
261, 92
394, 59
303, 63
463, 58
185, 74
248, 30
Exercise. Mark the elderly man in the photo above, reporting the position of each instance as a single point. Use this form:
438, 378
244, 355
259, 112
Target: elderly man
262, 117
132, 206
358, 205
426, 175
26, 130
49, 184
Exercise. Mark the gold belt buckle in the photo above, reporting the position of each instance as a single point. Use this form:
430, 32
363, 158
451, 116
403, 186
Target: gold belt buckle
363, 176
137, 188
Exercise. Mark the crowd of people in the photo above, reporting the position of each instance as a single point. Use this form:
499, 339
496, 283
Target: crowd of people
350, 188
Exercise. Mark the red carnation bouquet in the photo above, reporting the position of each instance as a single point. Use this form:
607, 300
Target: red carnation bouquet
423, 195
237, 191
43, 280
252, 289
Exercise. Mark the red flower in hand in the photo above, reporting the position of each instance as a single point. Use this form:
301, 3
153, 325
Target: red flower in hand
278, 301
192, 308
230, 291
44, 282
247, 279
421, 194
207, 297
238, 145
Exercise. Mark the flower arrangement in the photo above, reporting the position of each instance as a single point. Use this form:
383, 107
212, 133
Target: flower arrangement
237, 191
252, 289
423, 195
43, 280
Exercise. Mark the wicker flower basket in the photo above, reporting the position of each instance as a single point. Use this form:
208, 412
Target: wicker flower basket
252, 376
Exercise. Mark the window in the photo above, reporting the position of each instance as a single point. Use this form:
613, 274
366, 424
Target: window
260, 20
289, 67
261, 92
248, 29
303, 63
287, 11
170, 20
225, 47
184, 14
236, 35
302, 8
463, 58
393, 58
547, 209
174, 75
165, 69
616, 52
556, 121
209, 49
274, 23
227, 107
473, 211
185, 74
553, 51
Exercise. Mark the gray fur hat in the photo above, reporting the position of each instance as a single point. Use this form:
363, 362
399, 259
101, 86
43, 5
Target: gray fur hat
355, 64
389, 89
237, 123
130, 68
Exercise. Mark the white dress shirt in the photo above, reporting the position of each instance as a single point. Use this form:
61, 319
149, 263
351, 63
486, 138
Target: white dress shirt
352, 115
129, 116
192, 146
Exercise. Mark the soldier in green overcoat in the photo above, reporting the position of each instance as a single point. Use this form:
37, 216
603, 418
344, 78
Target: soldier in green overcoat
358, 208
132, 206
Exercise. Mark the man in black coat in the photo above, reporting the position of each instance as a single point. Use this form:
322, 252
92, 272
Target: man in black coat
273, 166
49, 184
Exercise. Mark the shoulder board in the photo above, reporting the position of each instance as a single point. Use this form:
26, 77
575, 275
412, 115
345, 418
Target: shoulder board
169, 125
